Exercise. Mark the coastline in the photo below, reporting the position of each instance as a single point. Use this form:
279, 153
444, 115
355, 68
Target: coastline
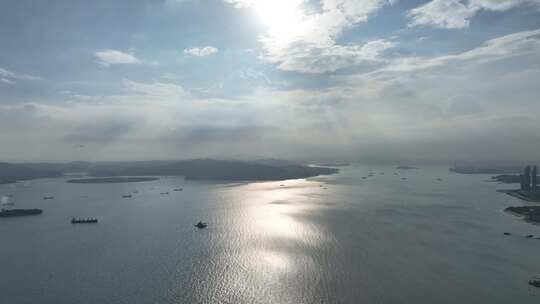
521, 195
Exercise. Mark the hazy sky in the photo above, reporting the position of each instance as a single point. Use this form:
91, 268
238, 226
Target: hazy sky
439, 80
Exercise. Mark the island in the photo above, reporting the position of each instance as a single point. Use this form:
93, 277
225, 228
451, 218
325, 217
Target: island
142, 171
106, 180
220, 170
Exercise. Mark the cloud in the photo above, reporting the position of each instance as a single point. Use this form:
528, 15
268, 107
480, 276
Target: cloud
201, 52
6, 81
111, 57
516, 44
305, 41
9, 77
308, 58
156, 89
457, 14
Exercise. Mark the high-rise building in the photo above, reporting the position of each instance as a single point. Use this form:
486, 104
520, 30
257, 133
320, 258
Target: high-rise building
533, 178
526, 179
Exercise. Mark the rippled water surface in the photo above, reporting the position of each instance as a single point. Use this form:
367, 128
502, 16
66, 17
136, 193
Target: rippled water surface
331, 239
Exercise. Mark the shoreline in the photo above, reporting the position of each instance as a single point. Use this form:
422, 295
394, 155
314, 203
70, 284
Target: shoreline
521, 195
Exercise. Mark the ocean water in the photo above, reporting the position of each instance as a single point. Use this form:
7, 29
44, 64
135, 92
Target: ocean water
330, 239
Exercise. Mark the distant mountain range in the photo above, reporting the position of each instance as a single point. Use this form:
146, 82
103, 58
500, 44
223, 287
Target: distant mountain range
14, 172
196, 169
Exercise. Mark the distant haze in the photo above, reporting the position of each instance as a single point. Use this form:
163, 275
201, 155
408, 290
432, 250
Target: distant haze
330, 80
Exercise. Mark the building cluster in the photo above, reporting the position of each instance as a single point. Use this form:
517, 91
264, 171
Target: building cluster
529, 179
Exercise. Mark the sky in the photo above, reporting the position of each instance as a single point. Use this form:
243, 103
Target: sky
353, 80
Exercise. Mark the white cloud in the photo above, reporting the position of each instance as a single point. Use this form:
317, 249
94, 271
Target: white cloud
7, 81
442, 13
10, 77
308, 58
456, 14
201, 52
516, 44
112, 57
157, 90
303, 41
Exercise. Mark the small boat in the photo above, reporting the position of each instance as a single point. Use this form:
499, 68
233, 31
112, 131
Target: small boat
201, 225
84, 221
507, 233
127, 196
48, 197
164, 193
178, 189
439, 179
136, 191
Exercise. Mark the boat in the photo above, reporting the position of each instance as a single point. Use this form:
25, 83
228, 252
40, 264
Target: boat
535, 283
127, 196
19, 212
178, 189
201, 225
84, 221
164, 193
48, 197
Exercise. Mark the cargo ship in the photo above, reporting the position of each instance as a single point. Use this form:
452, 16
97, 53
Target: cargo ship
84, 221
19, 212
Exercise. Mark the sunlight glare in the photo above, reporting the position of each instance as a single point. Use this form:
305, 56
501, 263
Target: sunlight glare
282, 18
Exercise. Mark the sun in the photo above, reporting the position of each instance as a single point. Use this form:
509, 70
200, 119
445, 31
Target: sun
282, 18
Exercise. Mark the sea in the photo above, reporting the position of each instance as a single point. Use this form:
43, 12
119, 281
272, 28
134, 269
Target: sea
399, 236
